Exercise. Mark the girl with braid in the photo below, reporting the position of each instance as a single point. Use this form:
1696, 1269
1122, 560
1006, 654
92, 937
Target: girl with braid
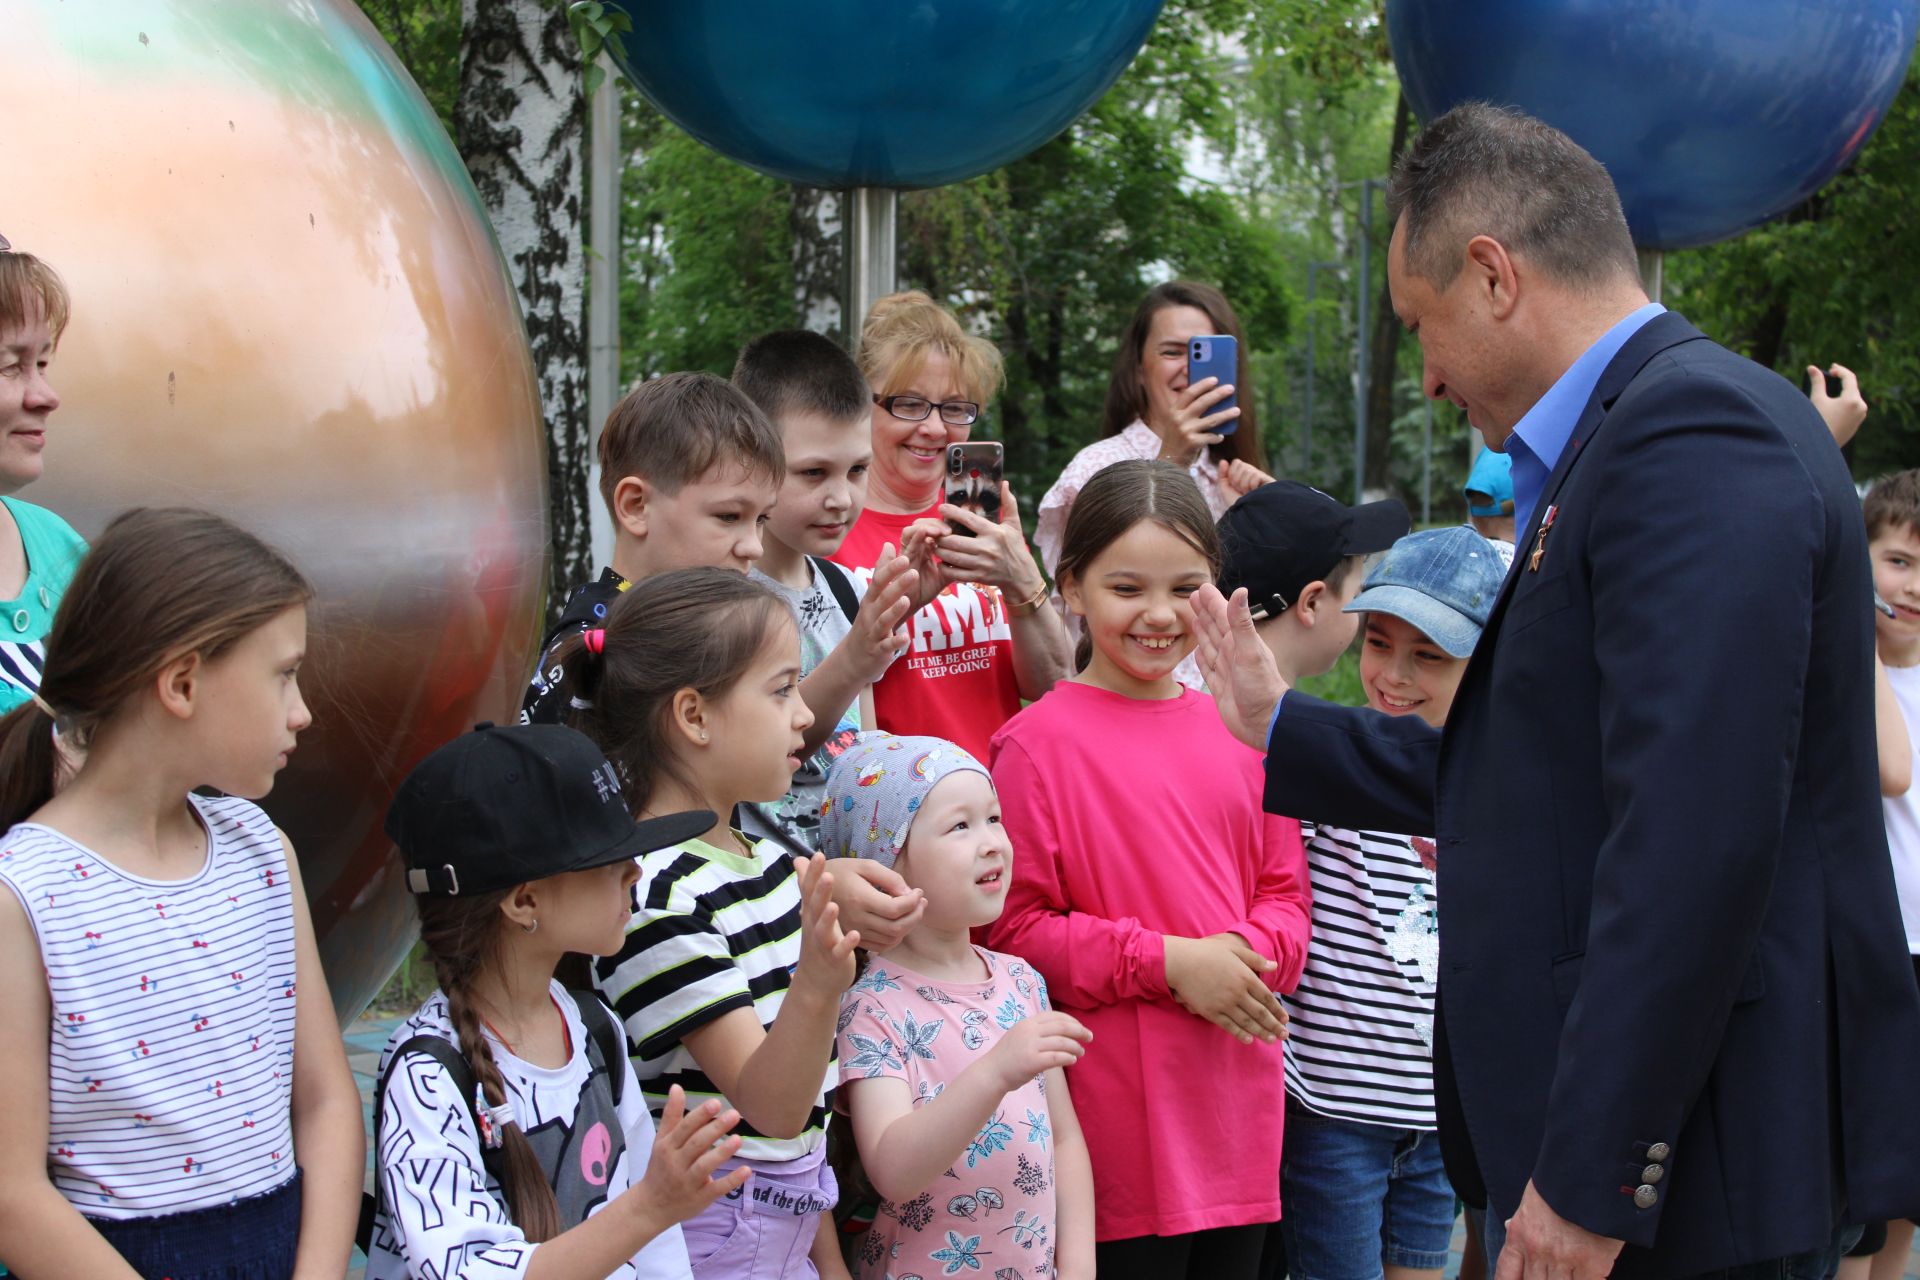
511, 1137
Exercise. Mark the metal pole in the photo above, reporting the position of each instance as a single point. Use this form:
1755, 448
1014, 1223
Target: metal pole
1426, 468
872, 228
1652, 272
605, 163
1365, 336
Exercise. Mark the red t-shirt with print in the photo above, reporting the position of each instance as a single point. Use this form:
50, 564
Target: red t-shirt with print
956, 681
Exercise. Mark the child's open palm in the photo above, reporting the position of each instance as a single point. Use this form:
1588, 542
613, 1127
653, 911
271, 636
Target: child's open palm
888, 603
687, 1148
826, 952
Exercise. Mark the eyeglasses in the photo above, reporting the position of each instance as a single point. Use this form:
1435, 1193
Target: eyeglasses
955, 413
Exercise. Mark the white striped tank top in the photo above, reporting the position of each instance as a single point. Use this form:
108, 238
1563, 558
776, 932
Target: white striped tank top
172, 1043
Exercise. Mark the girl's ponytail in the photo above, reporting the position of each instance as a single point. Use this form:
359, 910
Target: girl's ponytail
461, 936
159, 583
695, 629
27, 762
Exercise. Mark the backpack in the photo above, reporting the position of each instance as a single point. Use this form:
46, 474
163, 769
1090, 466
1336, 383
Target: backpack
838, 583
606, 1041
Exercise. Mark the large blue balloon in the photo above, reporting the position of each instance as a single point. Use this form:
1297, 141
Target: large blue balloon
891, 93
1712, 115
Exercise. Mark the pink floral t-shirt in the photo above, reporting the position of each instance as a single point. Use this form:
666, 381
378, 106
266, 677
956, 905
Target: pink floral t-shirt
991, 1213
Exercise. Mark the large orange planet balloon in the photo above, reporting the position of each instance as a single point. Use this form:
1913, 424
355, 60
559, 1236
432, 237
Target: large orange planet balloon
288, 306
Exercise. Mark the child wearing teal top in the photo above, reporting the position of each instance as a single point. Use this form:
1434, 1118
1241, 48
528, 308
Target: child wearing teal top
53, 551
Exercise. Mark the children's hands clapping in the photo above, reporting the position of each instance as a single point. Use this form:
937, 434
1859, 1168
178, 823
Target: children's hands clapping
687, 1147
826, 965
1040, 1043
889, 602
1218, 978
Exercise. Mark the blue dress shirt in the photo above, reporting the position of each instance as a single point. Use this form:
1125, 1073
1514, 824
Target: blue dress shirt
1541, 436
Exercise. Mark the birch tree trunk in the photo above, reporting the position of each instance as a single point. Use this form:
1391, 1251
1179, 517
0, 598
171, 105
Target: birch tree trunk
519, 122
819, 262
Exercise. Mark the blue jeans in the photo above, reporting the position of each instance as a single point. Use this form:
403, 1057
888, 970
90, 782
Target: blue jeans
1358, 1198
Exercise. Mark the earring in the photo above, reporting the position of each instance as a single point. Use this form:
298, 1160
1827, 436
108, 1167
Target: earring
703, 735
531, 926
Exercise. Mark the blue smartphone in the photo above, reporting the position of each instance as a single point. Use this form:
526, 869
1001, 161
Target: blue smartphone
1215, 355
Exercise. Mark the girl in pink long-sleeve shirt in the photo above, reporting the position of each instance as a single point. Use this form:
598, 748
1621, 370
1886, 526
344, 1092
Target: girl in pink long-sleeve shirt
1163, 907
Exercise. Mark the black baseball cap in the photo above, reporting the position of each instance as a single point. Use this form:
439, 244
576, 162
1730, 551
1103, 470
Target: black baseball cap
506, 804
1284, 535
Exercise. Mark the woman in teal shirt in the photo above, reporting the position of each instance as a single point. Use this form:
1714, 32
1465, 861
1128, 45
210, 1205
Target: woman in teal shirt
38, 550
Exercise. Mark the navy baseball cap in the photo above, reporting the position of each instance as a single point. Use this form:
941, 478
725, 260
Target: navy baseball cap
1491, 478
506, 804
1284, 535
1442, 581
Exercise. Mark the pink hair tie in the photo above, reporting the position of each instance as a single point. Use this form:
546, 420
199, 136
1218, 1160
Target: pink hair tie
597, 640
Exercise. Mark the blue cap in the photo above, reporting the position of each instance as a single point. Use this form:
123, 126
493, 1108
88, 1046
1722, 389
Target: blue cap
1492, 475
1442, 581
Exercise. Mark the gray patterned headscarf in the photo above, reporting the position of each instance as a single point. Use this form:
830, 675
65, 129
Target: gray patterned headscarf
876, 788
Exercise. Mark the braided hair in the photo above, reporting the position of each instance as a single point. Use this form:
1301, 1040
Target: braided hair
462, 937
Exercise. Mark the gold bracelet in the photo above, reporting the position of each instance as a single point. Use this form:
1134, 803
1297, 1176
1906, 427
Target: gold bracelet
1026, 608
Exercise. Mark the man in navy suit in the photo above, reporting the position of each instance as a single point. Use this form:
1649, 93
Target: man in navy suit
1679, 1033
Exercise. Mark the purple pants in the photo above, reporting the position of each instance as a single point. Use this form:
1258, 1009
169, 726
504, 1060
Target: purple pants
764, 1230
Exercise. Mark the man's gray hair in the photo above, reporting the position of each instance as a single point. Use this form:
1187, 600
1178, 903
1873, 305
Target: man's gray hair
1495, 171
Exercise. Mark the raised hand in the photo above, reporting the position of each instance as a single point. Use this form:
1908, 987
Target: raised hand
1240, 673
992, 553
1195, 425
1239, 478
1040, 1043
877, 634
687, 1147
826, 952
1843, 413
1218, 978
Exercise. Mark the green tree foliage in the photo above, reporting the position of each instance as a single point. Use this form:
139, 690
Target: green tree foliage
1833, 280
426, 36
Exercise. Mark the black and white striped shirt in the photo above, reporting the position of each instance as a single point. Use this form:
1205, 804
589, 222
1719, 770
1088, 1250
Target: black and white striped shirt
1360, 1043
715, 931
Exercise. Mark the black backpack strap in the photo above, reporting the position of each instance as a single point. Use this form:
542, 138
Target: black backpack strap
448, 1055
605, 1036
839, 583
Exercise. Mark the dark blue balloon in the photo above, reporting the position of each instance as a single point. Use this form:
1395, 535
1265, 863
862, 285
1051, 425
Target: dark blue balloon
1712, 115
893, 93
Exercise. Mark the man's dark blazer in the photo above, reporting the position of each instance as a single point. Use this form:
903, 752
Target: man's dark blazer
1674, 990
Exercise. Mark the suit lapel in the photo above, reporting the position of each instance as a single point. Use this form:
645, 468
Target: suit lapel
1656, 335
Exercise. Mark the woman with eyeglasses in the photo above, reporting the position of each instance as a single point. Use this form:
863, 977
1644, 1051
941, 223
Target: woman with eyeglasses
983, 639
38, 550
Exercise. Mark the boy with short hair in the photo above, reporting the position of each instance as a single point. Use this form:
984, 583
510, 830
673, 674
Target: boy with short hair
689, 469
821, 405
1360, 1175
1298, 553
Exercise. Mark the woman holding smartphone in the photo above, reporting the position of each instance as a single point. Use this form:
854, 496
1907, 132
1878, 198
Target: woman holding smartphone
983, 639
1154, 411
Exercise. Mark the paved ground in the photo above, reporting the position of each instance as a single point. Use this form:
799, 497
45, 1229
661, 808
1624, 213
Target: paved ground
366, 1037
